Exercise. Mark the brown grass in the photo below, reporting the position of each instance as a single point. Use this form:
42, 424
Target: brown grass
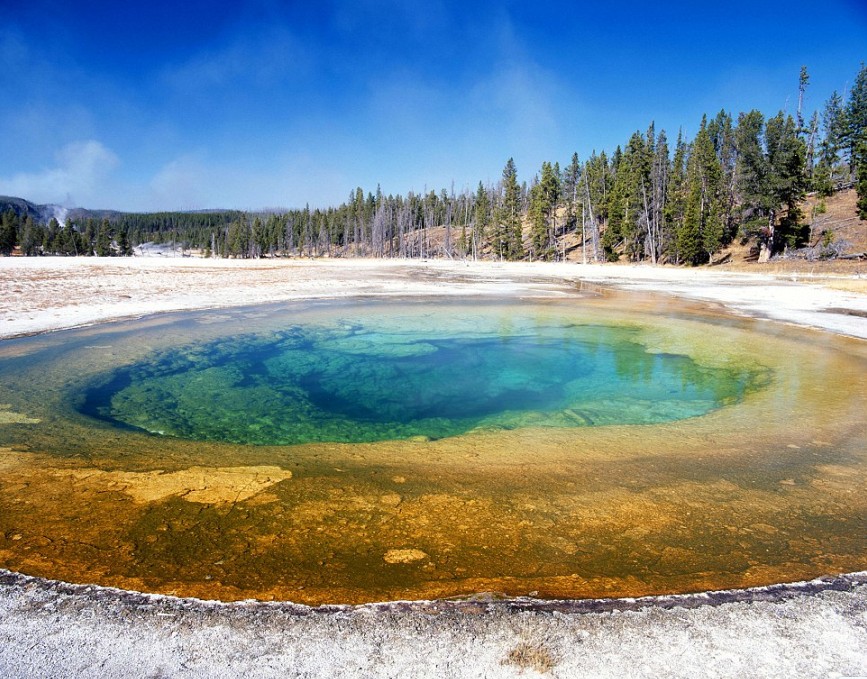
531, 656
840, 218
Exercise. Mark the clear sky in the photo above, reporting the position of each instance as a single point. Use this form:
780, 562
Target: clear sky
192, 104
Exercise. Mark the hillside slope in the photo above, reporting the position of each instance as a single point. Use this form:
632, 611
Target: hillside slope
42, 214
837, 237
38, 213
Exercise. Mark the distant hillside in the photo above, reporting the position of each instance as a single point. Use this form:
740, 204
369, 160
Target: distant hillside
42, 214
84, 213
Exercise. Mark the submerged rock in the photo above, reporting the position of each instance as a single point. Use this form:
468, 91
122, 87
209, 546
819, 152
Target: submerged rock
404, 555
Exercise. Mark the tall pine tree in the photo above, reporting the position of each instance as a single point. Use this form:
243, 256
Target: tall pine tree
861, 175
701, 232
787, 180
757, 214
655, 200
543, 212
481, 220
572, 191
627, 224
827, 173
8, 232
855, 136
508, 239
675, 202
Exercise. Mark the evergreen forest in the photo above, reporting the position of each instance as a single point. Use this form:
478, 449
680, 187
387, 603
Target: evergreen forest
652, 199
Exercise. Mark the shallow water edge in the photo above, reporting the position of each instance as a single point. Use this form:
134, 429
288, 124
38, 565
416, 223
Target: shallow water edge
485, 602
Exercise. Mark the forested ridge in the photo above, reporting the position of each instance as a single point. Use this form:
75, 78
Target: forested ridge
651, 199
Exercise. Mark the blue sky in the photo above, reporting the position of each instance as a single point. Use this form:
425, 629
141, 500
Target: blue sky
189, 105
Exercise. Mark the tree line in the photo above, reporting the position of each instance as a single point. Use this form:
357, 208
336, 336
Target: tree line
743, 177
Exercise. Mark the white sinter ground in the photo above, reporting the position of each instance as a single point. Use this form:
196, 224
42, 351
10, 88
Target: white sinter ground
53, 630
39, 294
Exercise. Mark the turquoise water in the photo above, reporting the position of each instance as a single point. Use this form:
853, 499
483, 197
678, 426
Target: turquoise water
358, 380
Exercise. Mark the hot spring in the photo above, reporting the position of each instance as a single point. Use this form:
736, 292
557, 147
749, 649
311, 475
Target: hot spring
347, 452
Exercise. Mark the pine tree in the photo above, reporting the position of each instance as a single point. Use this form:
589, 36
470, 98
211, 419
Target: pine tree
627, 225
722, 134
757, 213
571, 191
787, 179
855, 134
827, 169
509, 243
89, 238
612, 237
861, 175
49, 237
803, 81
67, 242
123, 244
103, 240
543, 203
656, 202
538, 221
481, 219
258, 243
8, 232
31, 238
238, 238
597, 180
675, 202
812, 138
855, 120
701, 232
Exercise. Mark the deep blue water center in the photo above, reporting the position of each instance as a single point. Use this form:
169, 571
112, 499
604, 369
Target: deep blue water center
357, 382
454, 379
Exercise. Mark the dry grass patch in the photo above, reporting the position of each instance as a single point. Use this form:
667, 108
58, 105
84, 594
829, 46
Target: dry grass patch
531, 656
